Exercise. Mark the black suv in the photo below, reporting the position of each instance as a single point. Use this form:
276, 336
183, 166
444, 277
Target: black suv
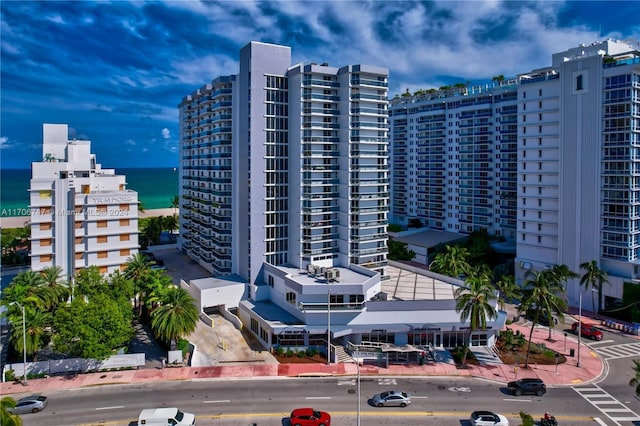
527, 386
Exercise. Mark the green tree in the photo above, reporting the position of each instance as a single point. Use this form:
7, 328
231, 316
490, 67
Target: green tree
398, 251
6, 418
138, 269
175, 316
543, 292
453, 262
93, 328
593, 279
24, 289
89, 282
54, 285
38, 323
474, 303
508, 290
175, 204
635, 381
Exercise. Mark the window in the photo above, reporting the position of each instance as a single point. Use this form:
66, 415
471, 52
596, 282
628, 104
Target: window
102, 239
125, 252
45, 226
291, 297
44, 210
102, 208
102, 224
579, 82
46, 258
104, 270
124, 222
124, 207
78, 256
78, 240
125, 237
103, 254
45, 243
86, 189
78, 225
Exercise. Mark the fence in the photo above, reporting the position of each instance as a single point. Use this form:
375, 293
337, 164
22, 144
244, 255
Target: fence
75, 365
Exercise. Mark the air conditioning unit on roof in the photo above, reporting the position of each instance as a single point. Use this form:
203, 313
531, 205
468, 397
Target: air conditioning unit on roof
330, 274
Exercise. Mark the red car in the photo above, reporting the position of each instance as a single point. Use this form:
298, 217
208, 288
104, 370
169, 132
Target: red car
310, 417
587, 331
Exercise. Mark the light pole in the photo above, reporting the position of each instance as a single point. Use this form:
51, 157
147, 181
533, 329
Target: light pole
358, 369
24, 343
329, 326
579, 328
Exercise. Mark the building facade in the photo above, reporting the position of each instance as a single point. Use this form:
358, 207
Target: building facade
578, 184
546, 160
81, 214
306, 202
454, 159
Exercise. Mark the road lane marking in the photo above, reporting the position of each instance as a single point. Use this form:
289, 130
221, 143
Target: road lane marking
516, 400
115, 407
600, 422
419, 397
318, 397
216, 402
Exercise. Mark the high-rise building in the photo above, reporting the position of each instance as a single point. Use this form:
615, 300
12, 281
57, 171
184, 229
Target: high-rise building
81, 214
547, 160
578, 162
285, 165
454, 159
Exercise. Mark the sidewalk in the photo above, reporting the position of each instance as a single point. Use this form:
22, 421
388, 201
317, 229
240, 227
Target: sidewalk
566, 374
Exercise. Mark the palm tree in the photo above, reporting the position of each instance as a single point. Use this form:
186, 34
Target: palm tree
175, 204
560, 274
543, 292
6, 418
474, 303
636, 380
508, 290
38, 322
593, 279
175, 316
453, 262
55, 285
137, 269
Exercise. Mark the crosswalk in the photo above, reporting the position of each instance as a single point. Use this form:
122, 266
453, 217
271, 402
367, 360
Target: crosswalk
624, 350
607, 404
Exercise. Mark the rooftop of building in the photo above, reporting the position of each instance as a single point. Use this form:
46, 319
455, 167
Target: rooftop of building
415, 284
426, 237
303, 277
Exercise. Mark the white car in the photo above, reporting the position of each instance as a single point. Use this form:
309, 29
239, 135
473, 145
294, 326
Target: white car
487, 418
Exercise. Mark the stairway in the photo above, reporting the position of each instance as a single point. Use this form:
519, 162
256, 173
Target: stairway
341, 354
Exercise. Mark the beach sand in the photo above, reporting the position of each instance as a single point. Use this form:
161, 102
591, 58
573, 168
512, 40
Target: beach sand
21, 221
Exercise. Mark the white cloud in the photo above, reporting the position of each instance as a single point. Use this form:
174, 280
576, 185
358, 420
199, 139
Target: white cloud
130, 142
166, 133
4, 142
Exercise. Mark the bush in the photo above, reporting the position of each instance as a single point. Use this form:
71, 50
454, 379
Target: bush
9, 376
526, 418
279, 351
301, 353
312, 352
289, 353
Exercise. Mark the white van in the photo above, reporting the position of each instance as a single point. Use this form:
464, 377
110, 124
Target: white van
165, 417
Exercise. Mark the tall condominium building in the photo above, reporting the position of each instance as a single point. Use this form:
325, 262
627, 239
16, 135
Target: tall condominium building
205, 175
81, 214
578, 164
285, 165
548, 160
454, 159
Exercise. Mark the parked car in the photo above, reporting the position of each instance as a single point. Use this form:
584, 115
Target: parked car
309, 417
391, 399
527, 386
587, 331
487, 418
30, 404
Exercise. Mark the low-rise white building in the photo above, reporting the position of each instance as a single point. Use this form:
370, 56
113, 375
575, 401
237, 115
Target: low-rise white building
81, 214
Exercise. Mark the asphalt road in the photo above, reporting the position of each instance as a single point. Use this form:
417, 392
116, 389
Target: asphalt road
444, 401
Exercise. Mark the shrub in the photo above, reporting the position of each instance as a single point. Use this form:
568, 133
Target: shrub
526, 418
279, 351
301, 353
289, 353
312, 352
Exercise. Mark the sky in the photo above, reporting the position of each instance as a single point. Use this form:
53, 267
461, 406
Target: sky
116, 71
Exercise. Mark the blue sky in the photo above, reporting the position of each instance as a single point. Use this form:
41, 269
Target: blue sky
116, 71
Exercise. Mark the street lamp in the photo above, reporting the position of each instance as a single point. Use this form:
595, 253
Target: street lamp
24, 343
329, 326
358, 369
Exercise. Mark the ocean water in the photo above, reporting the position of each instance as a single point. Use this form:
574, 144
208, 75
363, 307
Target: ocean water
156, 188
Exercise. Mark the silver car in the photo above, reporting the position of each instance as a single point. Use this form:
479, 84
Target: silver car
30, 404
391, 399
488, 418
